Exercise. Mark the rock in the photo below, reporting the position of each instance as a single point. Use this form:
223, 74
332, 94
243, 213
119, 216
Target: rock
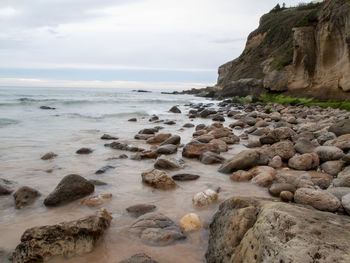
204, 198
71, 187
332, 167
48, 156
168, 163
304, 145
241, 176
221, 145
230, 140
148, 131
154, 118
211, 158
156, 229
276, 135
284, 149
326, 137
185, 177
84, 151
339, 192
143, 136
253, 143
251, 230
286, 196
139, 258
25, 196
305, 161
343, 181
158, 138
97, 182
276, 162
132, 120
191, 222
244, 160
39, 244
205, 138
144, 155
6, 187
340, 128
329, 153
158, 179
319, 199
140, 209
108, 137
175, 109
262, 175
200, 127
205, 113
276, 188
170, 122
195, 149
167, 149
47, 108
96, 200
104, 169
345, 201
342, 142
175, 139
188, 125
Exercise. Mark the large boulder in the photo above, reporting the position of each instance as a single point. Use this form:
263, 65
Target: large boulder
319, 199
195, 149
71, 187
305, 161
341, 127
276, 135
248, 230
156, 229
39, 244
25, 196
283, 149
158, 179
244, 160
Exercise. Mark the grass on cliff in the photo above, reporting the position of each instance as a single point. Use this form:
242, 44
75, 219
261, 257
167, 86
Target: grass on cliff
288, 100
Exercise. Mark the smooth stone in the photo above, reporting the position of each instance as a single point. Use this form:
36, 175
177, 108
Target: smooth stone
25, 196
345, 201
241, 176
191, 222
159, 138
332, 167
329, 153
175, 109
221, 144
211, 158
185, 177
262, 175
204, 198
276, 162
304, 162
148, 131
342, 142
132, 119
343, 181
48, 156
304, 145
140, 209
6, 187
243, 160
84, 151
188, 125
175, 139
170, 122
104, 169
276, 188
158, 179
284, 149
108, 137
286, 196
168, 163
339, 192
340, 128
319, 199
167, 149
143, 136
195, 149
70, 188
39, 244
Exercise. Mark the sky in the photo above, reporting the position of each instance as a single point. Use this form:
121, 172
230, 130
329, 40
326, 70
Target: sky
120, 43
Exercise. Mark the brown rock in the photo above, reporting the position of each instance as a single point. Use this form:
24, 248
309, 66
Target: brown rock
158, 179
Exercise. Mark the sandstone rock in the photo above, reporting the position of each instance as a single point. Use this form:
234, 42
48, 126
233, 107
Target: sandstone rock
168, 163
284, 149
276, 162
139, 258
300, 179
230, 140
108, 137
276, 135
144, 155
205, 138
167, 149
211, 158
341, 127
159, 138
332, 167
175, 109
244, 160
319, 199
248, 230
262, 175
39, 244
305, 161
156, 229
96, 200
84, 151
48, 156
71, 187
185, 177
276, 188
158, 179
286, 196
195, 149
191, 222
241, 176
221, 145
140, 209
25, 196
329, 153
204, 198
221, 132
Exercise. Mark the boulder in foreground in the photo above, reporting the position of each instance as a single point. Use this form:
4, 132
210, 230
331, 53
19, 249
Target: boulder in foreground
39, 244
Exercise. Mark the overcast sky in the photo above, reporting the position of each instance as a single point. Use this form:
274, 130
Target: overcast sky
67, 42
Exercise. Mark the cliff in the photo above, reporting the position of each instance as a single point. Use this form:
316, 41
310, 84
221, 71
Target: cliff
302, 51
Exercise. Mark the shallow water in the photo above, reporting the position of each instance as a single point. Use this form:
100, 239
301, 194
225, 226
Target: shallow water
80, 119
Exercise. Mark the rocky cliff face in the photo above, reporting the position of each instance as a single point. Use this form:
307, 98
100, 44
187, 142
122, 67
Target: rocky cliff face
302, 51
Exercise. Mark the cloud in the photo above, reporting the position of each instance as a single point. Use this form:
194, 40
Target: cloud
8, 12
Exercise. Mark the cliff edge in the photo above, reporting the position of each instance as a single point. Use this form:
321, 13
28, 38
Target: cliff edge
302, 51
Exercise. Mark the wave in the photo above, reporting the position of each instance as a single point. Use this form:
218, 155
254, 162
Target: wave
106, 116
5, 122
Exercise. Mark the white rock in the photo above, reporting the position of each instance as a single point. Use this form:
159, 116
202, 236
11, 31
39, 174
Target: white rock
207, 197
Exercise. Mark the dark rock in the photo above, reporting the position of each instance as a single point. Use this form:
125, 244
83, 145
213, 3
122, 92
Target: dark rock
104, 169
142, 136
244, 160
185, 177
175, 139
276, 188
188, 125
139, 258
341, 127
6, 187
170, 122
25, 196
175, 109
71, 187
156, 229
148, 131
195, 149
329, 153
48, 156
47, 108
140, 209
132, 119
211, 158
84, 151
243, 87
218, 117
200, 127
167, 149
304, 145
108, 137
205, 113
